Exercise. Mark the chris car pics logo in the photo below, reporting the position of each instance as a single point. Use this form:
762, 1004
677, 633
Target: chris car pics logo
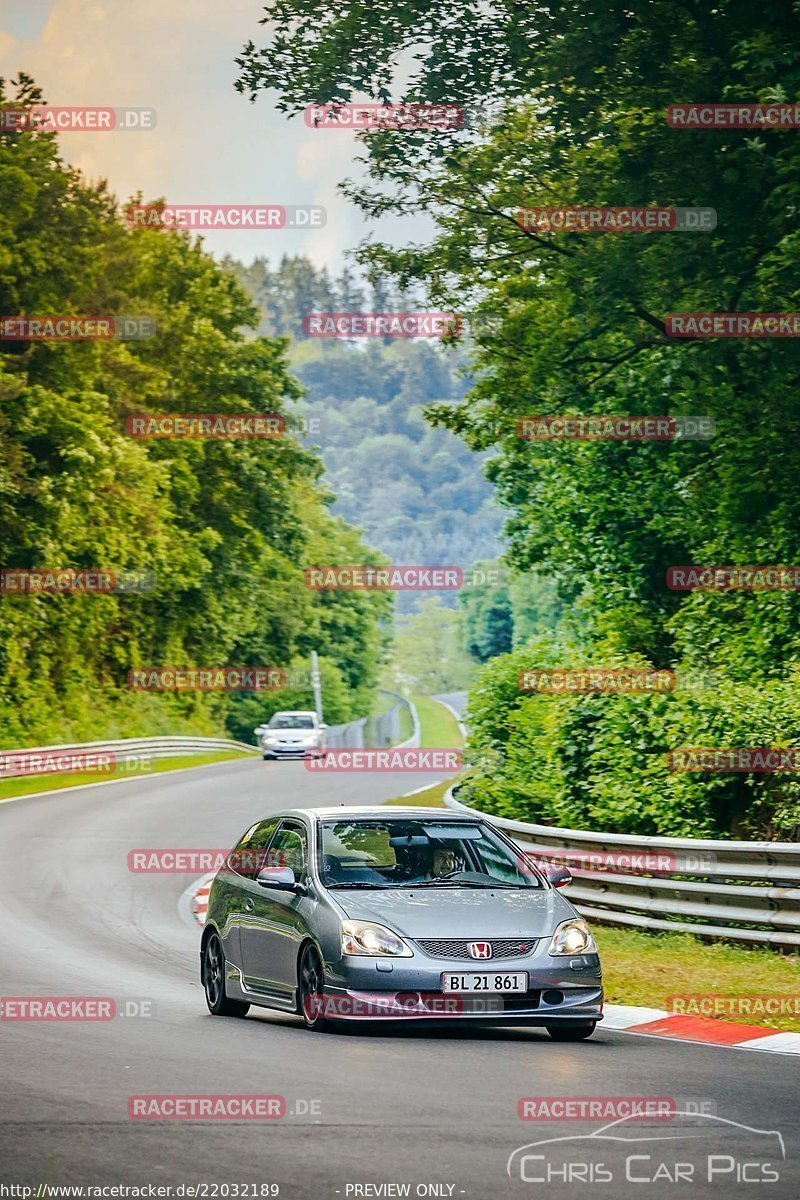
699, 1148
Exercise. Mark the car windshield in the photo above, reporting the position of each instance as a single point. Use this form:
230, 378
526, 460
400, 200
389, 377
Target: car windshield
419, 853
291, 721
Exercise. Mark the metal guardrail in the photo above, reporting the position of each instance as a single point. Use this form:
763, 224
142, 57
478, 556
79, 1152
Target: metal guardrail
377, 732
741, 891
127, 752
380, 731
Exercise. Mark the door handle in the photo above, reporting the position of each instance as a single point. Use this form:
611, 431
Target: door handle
249, 904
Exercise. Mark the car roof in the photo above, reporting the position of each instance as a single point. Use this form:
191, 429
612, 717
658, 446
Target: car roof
295, 712
359, 812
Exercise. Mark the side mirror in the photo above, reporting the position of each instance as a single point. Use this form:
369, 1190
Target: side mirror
559, 877
322, 725
259, 729
281, 878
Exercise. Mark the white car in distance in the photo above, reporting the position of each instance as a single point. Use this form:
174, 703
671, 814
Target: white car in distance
292, 735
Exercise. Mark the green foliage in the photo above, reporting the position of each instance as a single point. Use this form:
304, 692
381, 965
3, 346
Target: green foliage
486, 613
581, 93
580, 119
226, 526
248, 710
500, 609
599, 761
428, 653
414, 490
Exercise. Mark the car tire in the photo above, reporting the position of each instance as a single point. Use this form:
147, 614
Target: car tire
310, 991
572, 1033
214, 982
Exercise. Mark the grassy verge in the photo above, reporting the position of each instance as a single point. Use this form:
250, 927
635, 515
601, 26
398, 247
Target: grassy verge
648, 968
381, 703
432, 797
438, 730
29, 785
406, 725
439, 726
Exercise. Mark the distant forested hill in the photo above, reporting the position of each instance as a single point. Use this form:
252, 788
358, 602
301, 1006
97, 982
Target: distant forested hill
418, 492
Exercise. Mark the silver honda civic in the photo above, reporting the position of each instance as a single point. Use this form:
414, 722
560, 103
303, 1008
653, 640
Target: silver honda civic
423, 914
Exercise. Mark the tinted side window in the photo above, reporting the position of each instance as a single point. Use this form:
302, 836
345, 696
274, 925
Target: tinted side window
245, 858
289, 849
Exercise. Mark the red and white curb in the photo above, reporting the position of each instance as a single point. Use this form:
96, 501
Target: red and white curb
624, 1018
199, 897
657, 1022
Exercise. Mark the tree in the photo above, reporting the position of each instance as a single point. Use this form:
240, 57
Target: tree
427, 655
225, 526
582, 94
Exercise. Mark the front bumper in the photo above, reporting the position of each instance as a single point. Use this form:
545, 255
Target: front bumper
560, 989
291, 751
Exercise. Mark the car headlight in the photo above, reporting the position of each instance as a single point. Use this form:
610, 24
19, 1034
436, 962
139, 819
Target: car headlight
268, 741
366, 937
309, 741
573, 937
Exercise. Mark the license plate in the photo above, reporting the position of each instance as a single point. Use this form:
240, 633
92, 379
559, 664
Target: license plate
497, 981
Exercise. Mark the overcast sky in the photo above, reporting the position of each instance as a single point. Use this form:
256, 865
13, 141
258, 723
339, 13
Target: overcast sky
211, 144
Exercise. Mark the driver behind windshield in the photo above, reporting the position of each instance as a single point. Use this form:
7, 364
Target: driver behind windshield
407, 853
444, 863
436, 864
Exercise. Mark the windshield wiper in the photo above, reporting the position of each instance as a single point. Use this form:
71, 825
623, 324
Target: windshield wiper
332, 886
462, 883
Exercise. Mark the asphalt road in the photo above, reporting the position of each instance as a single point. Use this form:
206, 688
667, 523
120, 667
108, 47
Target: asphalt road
403, 1107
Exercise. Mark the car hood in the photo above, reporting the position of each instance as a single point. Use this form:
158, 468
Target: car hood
459, 912
291, 735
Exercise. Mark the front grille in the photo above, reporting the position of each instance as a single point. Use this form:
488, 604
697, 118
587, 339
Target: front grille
459, 948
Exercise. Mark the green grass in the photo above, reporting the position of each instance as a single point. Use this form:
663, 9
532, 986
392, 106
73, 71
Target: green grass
406, 725
29, 785
381, 703
439, 727
439, 730
648, 968
432, 797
